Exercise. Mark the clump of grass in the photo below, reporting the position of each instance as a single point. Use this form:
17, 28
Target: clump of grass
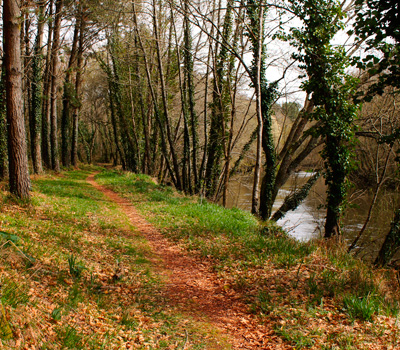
13, 293
75, 267
70, 338
362, 308
296, 337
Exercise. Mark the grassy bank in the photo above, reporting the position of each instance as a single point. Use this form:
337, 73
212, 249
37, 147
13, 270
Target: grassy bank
315, 294
75, 275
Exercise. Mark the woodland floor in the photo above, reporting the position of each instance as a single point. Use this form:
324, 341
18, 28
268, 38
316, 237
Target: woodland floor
193, 287
112, 260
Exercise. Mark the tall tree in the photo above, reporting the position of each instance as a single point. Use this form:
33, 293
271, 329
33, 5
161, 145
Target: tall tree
55, 161
265, 97
377, 22
220, 106
36, 88
3, 126
190, 91
332, 90
69, 97
78, 84
17, 150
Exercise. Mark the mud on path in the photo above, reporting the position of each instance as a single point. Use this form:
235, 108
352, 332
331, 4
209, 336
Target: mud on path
196, 290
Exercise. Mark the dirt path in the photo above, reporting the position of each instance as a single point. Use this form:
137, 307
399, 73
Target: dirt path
196, 289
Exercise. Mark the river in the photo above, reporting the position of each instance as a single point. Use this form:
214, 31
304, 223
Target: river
307, 221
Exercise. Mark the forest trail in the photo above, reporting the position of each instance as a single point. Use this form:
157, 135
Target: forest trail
195, 289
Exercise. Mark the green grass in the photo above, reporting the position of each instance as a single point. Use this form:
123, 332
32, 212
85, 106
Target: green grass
362, 308
224, 234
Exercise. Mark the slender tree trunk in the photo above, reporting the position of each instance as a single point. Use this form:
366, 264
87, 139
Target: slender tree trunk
154, 100
78, 84
335, 193
166, 118
46, 144
220, 109
54, 87
17, 149
146, 160
258, 65
189, 72
3, 126
379, 183
69, 94
36, 109
391, 244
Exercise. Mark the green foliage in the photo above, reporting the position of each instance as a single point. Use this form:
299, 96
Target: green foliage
363, 308
56, 314
9, 237
377, 22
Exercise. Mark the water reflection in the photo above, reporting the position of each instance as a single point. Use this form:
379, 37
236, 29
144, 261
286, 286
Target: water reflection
307, 220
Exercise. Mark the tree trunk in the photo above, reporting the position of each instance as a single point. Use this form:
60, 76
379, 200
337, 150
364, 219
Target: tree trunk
336, 195
189, 75
68, 96
220, 108
155, 105
36, 110
17, 150
78, 84
391, 244
46, 144
293, 200
3, 126
54, 87
257, 64
166, 119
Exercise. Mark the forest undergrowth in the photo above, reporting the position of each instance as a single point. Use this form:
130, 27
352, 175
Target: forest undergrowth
76, 275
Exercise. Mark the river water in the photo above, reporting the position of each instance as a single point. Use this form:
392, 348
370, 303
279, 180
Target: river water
307, 221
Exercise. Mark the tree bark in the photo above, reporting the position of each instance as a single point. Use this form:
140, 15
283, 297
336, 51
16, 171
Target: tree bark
36, 110
46, 145
78, 84
69, 95
155, 104
54, 87
391, 244
17, 149
178, 181
257, 82
3, 126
